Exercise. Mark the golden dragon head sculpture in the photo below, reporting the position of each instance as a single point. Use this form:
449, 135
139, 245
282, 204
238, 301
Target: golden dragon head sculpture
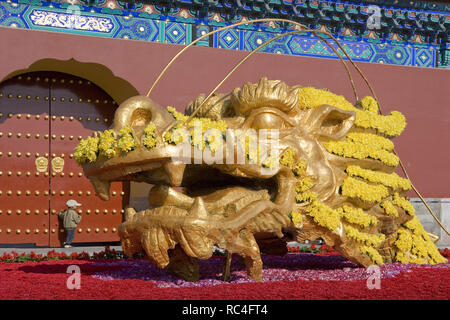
320, 168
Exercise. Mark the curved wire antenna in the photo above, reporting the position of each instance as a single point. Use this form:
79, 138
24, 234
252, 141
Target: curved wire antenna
256, 50
305, 29
254, 22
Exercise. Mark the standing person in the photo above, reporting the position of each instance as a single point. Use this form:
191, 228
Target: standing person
70, 220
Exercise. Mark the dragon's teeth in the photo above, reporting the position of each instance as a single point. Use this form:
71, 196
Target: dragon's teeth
101, 187
175, 172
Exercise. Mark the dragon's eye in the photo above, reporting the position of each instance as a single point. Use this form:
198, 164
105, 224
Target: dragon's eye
268, 120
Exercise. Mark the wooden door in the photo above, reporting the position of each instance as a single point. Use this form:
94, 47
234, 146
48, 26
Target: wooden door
24, 141
77, 108
73, 109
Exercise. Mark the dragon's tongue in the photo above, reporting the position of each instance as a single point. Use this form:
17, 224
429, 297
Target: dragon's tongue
175, 172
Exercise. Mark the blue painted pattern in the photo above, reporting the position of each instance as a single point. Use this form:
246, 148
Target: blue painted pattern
157, 27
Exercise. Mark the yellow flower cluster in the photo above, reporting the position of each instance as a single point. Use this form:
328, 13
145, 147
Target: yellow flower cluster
297, 219
389, 208
300, 168
373, 254
389, 180
416, 227
86, 150
176, 134
401, 257
415, 246
305, 196
288, 157
357, 216
323, 215
372, 240
197, 140
206, 123
403, 203
304, 184
371, 139
357, 150
249, 146
149, 140
391, 125
214, 142
310, 98
355, 188
369, 104
404, 240
126, 141
270, 162
107, 145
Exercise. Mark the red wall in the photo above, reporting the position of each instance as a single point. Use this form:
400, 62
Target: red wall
421, 94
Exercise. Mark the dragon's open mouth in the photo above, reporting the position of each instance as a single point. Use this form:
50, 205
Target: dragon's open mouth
203, 181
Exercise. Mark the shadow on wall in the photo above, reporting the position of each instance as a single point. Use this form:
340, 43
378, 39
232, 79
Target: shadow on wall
119, 89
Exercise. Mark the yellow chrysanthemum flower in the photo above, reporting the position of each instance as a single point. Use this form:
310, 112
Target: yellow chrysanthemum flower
369, 104
300, 168
357, 150
372, 240
391, 125
403, 203
371, 139
107, 145
355, 188
389, 208
126, 141
297, 219
87, 150
288, 157
149, 140
305, 197
414, 245
304, 184
358, 216
323, 215
373, 254
389, 180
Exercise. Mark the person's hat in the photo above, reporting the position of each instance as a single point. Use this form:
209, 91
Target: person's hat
73, 203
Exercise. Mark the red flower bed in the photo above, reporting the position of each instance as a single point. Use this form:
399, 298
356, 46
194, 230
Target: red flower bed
445, 252
312, 249
47, 280
53, 255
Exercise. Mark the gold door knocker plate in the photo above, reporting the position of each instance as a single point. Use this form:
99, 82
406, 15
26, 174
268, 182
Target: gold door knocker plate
41, 164
58, 164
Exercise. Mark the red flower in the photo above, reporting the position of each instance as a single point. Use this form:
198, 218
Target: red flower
313, 246
445, 252
74, 255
